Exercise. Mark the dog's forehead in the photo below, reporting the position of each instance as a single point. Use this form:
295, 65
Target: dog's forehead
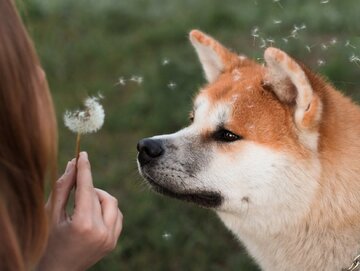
210, 113
235, 90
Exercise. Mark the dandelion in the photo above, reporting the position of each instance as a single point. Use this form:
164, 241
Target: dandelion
308, 48
276, 21
87, 121
324, 1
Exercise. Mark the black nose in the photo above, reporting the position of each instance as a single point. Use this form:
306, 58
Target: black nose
149, 149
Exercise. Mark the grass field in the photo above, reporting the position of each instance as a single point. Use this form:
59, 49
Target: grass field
87, 45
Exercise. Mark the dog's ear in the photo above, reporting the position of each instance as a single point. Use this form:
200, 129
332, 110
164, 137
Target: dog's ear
214, 57
291, 85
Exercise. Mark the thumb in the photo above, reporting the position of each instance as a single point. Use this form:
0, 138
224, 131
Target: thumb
61, 192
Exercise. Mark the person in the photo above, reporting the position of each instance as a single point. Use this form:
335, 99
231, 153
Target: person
34, 237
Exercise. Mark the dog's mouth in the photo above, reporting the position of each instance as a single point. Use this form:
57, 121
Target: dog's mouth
207, 199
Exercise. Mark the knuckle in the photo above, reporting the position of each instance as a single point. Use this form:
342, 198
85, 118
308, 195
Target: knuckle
114, 200
82, 227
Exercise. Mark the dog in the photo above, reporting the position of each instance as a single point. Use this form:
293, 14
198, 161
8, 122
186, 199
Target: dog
274, 150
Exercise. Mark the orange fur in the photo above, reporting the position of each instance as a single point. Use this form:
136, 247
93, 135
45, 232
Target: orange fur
331, 229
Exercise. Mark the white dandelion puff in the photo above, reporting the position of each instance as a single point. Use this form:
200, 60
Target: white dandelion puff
86, 121
324, 1
276, 21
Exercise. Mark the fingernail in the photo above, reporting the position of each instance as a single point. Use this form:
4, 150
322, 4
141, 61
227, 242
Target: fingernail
84, 153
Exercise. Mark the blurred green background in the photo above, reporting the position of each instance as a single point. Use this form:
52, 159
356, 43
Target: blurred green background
137, 54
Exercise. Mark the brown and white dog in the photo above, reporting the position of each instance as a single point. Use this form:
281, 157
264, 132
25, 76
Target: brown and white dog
275, 150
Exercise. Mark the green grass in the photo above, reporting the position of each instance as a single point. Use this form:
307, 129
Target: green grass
85, 46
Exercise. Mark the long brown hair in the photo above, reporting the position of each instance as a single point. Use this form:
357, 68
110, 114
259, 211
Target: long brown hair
27, 145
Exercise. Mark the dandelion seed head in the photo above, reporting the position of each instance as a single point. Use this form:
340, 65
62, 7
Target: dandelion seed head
89, 120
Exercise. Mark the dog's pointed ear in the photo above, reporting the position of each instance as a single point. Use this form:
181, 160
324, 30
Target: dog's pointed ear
214, 57
290, 83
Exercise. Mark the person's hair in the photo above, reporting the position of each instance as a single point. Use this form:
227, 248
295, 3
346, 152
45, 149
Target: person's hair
27, 145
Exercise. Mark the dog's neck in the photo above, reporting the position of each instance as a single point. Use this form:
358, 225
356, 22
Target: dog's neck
328, 236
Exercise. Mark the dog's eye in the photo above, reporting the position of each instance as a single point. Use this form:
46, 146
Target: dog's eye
224, 135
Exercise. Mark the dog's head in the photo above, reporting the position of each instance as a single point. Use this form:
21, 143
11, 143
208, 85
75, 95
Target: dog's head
253, 142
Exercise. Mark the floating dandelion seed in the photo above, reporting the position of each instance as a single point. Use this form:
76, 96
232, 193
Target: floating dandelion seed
236, 75
165, 62
171, 85
263, 43
308, 48
278, 2
271, 41
354, 59
324, 46
285, 40
333, 41
137, 79
166, 236
275, 21
121, 81
255, 33
87, 121
324, 1
321, 62
348, 44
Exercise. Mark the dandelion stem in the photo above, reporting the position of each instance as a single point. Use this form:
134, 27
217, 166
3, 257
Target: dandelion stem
77, 150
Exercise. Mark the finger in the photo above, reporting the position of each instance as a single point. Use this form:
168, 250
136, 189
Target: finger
85, 196
109, 208
60, 194
118, 225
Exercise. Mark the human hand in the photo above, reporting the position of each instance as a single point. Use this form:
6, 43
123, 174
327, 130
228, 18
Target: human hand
78, 241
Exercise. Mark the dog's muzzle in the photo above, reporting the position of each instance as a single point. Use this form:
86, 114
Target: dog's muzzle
149, 150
